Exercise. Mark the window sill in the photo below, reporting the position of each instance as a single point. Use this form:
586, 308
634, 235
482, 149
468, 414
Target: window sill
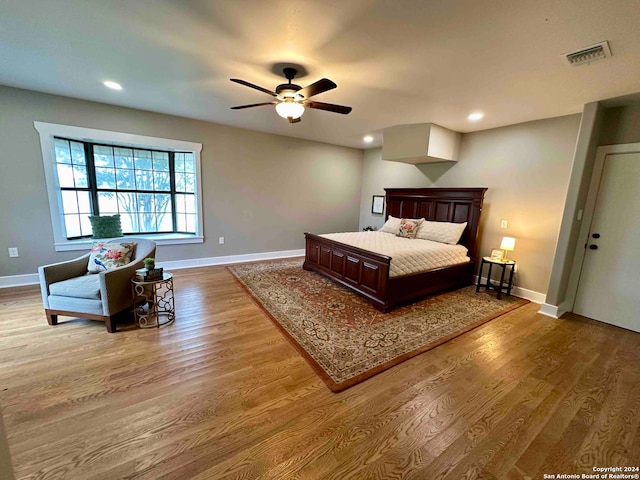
160, 239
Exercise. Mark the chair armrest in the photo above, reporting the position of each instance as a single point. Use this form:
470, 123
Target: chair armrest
115, 287
57, 272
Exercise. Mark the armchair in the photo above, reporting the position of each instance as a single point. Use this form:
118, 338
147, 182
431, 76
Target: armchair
67, 289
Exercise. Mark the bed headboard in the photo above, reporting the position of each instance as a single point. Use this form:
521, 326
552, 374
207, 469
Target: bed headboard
456, 205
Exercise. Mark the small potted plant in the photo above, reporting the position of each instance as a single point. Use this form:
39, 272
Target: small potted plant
149, 263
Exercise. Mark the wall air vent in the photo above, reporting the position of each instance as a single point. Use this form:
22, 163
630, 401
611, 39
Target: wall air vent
589, 54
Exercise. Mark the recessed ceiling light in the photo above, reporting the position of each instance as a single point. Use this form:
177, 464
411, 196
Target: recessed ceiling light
112, 85
367, 139
474, 117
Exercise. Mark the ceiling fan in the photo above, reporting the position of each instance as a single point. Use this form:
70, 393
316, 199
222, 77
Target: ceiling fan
292, 99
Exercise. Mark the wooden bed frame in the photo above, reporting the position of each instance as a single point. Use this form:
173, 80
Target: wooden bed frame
367, 273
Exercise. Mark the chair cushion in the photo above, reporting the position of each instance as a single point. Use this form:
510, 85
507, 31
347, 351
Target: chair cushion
86, 286
105, 256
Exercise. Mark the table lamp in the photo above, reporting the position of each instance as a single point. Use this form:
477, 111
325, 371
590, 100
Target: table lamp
508, 245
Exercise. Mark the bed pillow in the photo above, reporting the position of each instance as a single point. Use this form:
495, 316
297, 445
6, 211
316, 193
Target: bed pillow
409, 227
443, 232
391, 225
105, 256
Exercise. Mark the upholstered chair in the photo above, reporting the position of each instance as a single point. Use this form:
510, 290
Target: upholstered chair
68, 289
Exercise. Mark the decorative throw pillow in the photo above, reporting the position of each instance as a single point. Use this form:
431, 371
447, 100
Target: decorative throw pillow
391, 225
105, 256
106, 227
443, 232
408, 227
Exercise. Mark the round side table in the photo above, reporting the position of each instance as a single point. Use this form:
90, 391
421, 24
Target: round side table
153, 304
498, 287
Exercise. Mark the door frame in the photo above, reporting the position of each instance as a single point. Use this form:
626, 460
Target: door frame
587, 217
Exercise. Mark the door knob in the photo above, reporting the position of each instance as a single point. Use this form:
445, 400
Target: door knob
593, 247
596, 235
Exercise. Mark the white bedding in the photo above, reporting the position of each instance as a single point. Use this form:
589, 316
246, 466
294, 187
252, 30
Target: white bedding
407, 255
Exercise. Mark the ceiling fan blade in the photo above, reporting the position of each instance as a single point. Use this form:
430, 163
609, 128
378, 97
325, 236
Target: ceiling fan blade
330, 107
251, 85
253, 105
294, 120
322, 85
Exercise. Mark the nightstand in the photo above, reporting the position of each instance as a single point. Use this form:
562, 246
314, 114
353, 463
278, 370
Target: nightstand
498, 287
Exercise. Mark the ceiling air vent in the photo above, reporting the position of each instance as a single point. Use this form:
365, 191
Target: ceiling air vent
589, 54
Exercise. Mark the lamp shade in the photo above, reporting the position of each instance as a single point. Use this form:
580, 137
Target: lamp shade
508, 244
289, 108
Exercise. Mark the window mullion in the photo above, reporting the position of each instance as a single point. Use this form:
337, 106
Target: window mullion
172, 181
91, 177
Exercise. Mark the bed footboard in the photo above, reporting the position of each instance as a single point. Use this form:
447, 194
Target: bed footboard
360, 270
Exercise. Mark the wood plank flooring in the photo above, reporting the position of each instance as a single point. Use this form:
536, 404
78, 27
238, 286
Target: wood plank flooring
221, 394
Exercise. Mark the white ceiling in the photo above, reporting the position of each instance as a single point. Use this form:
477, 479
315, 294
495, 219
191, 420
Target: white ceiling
395, 61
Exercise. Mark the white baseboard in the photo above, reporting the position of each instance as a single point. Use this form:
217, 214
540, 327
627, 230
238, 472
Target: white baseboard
549, 310
554, 311
32, 278
229, 259
531, 295
19, 280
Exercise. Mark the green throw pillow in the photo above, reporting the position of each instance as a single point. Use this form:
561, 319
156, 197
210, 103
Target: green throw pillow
106, 227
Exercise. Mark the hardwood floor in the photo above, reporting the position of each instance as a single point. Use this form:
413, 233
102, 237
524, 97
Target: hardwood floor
221, 394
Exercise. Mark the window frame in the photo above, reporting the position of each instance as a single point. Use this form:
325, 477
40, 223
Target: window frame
48, 131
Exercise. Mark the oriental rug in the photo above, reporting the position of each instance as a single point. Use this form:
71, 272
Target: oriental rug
342, 336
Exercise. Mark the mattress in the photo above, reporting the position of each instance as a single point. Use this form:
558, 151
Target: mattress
407, 255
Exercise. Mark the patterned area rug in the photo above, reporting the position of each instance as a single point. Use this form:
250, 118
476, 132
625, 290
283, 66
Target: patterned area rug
342, 336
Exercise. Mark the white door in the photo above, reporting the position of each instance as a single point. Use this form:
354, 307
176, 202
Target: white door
609, 287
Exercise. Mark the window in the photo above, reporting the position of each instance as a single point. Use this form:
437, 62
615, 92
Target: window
152, 190
152, 183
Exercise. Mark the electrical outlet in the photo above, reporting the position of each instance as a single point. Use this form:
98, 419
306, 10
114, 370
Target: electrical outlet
13, 252
221, 240
504, 224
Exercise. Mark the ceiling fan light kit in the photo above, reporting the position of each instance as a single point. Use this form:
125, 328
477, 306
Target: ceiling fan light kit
289, 108
292, 98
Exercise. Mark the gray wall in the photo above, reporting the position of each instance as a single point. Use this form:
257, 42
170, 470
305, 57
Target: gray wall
621, 125
600, 126
526, 168
577, 191
378, 175
261, 191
